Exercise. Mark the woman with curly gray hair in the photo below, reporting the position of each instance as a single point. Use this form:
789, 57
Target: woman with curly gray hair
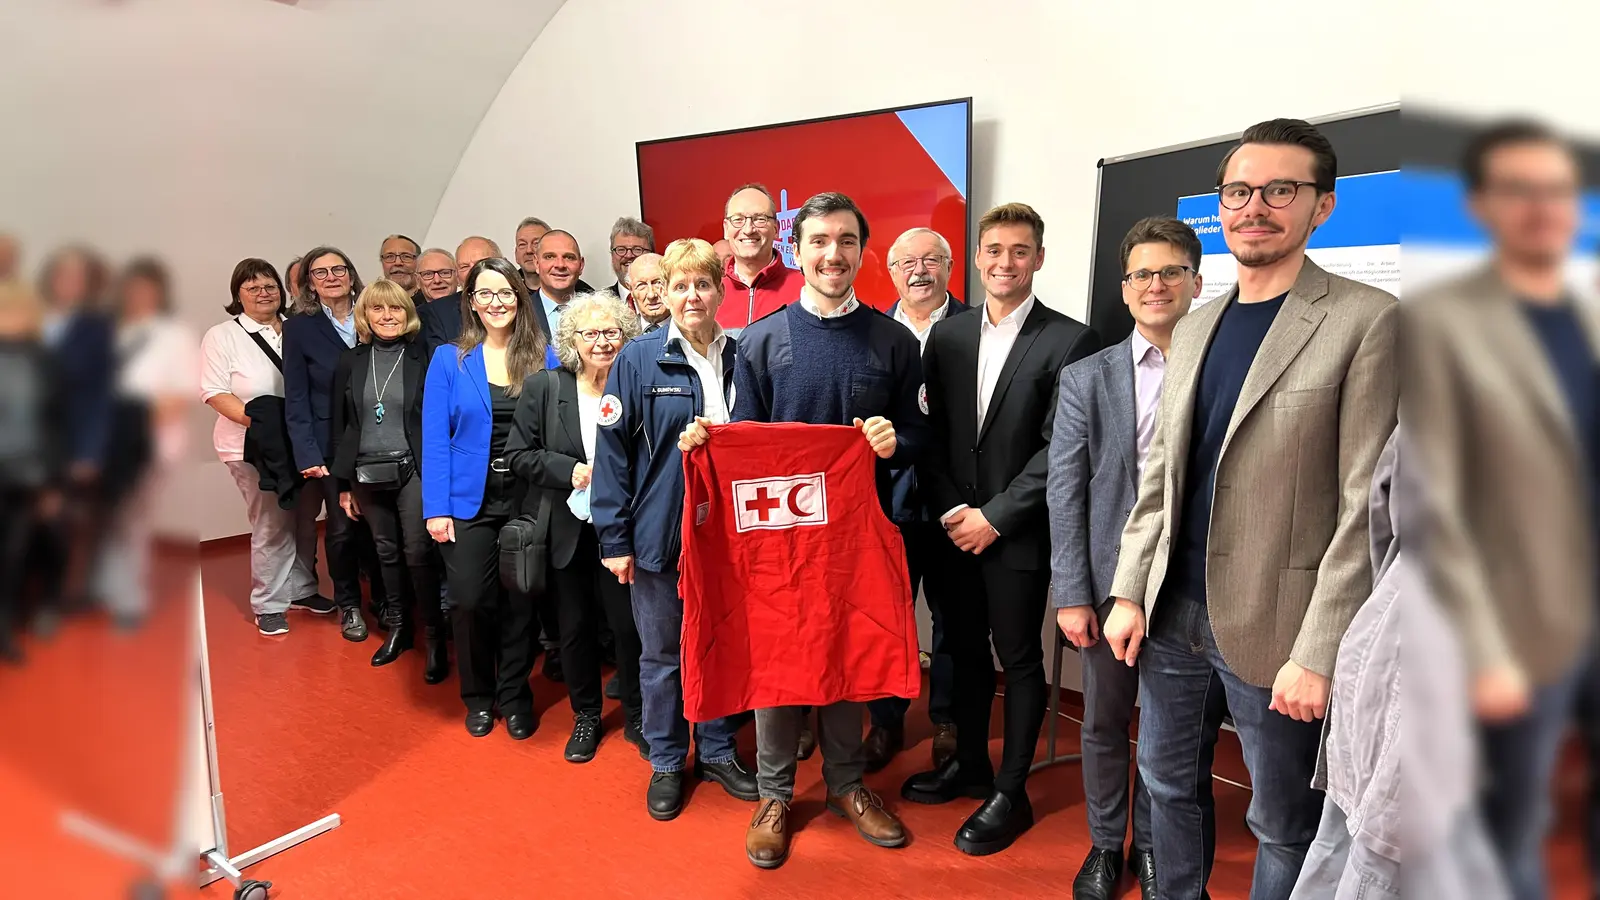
551, 449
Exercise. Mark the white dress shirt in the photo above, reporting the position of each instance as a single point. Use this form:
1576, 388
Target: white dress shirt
231, 363
933, 319
1149, 370
846, 308
709, 368
994, 345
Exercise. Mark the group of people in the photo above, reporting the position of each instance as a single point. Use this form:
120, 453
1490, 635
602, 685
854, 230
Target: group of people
1194, 504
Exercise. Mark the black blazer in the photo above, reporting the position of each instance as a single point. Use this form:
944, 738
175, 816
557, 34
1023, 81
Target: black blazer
350, 410
1001, 469
441, 321
266, 447
544, 461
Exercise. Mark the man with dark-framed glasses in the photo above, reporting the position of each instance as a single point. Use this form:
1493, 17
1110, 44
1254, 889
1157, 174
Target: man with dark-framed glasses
1247, 550
756, 281
630, 239
398, 254
1105, 420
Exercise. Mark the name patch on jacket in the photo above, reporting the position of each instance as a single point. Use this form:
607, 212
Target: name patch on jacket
668, 389
788, 502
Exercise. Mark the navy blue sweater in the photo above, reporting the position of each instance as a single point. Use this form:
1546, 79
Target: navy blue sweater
1562, 335
796, 367
1233, 348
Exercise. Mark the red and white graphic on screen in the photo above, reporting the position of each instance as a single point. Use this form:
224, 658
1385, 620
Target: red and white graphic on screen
787, 502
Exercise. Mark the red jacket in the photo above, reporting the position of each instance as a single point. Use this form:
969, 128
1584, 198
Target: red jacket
794, 582
774, 286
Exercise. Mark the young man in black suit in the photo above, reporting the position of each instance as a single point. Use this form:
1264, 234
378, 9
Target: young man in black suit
990, 395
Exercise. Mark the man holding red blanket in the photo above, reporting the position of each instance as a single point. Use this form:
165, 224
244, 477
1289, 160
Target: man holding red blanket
827, 359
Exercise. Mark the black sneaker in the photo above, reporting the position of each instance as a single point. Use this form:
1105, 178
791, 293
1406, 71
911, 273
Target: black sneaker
351, 625
585, 738
633, 733
272, 623
316, 603
614, 688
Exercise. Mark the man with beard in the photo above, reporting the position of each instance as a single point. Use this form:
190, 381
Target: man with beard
398, 254
649, 287
1247, 550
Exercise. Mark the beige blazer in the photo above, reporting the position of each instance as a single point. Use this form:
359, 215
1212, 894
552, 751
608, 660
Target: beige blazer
1287, 556
1509, 541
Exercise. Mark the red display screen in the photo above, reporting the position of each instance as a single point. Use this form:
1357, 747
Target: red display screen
905, 168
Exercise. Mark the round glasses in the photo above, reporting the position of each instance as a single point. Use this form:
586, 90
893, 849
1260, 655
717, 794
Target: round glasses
592, 335
1171, 276
484, 297
1276, 194
323, 274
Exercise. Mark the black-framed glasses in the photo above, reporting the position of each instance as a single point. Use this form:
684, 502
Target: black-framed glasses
1277, 193
1171, 276
591, 335
435, 274
390, 259
629, 252
910, 265
326, 272
760, 221
484, 296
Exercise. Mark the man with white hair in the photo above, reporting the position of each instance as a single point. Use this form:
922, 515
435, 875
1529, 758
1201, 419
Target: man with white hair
648, 283
441, 318
436, 274
630, 239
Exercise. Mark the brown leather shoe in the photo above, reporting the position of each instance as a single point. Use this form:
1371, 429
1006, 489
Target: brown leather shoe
944, 744
865, 810
767, 841
808, 740
881, 745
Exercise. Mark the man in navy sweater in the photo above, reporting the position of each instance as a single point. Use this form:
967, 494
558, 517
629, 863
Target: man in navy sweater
827, 359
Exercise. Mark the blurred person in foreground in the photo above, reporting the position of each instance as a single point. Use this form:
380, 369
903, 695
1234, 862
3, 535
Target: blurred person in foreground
30, 433
10, 256
1500, 379
157, 365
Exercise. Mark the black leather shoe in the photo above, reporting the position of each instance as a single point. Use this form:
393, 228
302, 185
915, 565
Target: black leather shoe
585, 740
808, 740
479, 724
351, 625
1143, 867
633, 733
947, 783
520, 725
1098, 878
665, 796
614, 688
396, 642
881, 745
996, 825
738, 781
437, 668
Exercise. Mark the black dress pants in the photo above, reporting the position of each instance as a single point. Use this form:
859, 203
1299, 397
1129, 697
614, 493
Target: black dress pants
980, 597
343, 541
585, 592
404, 549
494, 627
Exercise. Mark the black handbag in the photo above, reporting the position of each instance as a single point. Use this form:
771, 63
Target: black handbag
384, 471
525, 540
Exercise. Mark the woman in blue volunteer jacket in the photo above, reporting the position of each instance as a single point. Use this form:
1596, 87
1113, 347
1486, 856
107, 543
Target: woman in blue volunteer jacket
658, 384
469, 492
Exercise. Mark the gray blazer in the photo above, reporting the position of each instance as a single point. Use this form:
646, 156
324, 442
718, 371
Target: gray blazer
1093, 480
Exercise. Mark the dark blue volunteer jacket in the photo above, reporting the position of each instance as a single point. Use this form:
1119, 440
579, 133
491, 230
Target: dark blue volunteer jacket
636, 493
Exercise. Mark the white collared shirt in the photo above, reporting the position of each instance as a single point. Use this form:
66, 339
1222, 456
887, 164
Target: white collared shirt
1149, 370
994, 345
846, 308
231, 363
933, 319
709, 368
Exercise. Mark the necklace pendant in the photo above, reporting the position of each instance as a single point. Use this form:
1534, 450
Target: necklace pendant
377, 412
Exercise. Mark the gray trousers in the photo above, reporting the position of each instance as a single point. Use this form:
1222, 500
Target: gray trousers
1110, 692
838, 737
282, 549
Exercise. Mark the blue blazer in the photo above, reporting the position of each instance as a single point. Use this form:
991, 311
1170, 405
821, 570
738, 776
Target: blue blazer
311, 351
457, 431
85, 359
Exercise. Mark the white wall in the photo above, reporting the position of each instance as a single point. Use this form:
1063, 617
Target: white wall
1056, 85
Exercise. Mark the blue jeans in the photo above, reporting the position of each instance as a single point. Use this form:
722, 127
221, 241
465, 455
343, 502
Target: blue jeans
890, 712
658, 613
1187, 688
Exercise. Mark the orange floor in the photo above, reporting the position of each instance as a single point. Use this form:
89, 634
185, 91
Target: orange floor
305, 727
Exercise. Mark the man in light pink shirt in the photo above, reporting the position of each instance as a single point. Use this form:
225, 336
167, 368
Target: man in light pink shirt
1104, 421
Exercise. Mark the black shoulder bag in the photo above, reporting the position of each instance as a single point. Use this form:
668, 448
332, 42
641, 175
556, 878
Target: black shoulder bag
525, 540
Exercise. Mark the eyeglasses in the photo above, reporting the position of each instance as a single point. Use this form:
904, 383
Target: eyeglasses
629, 252
1276, 194
391, 258
649, 287
1171, 276
323, 274
910, 265
260, 290
592, 335
434, 274
761, 221
484, 297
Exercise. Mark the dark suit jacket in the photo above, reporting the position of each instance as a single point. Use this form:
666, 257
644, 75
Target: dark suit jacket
1001, 468
85, 359
1094, 474
543, 458
908, 499
311, 351
350, 410
441, 321
266, 446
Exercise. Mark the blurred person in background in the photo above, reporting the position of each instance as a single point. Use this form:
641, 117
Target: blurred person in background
469, 491
528, 233
30, 458
1500, 380
377, 451
157, 367
295, 274
398, 255
241, 361
648, 286
555, 464
321, 330
80, 337
724, 251
10, 255
436, 273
